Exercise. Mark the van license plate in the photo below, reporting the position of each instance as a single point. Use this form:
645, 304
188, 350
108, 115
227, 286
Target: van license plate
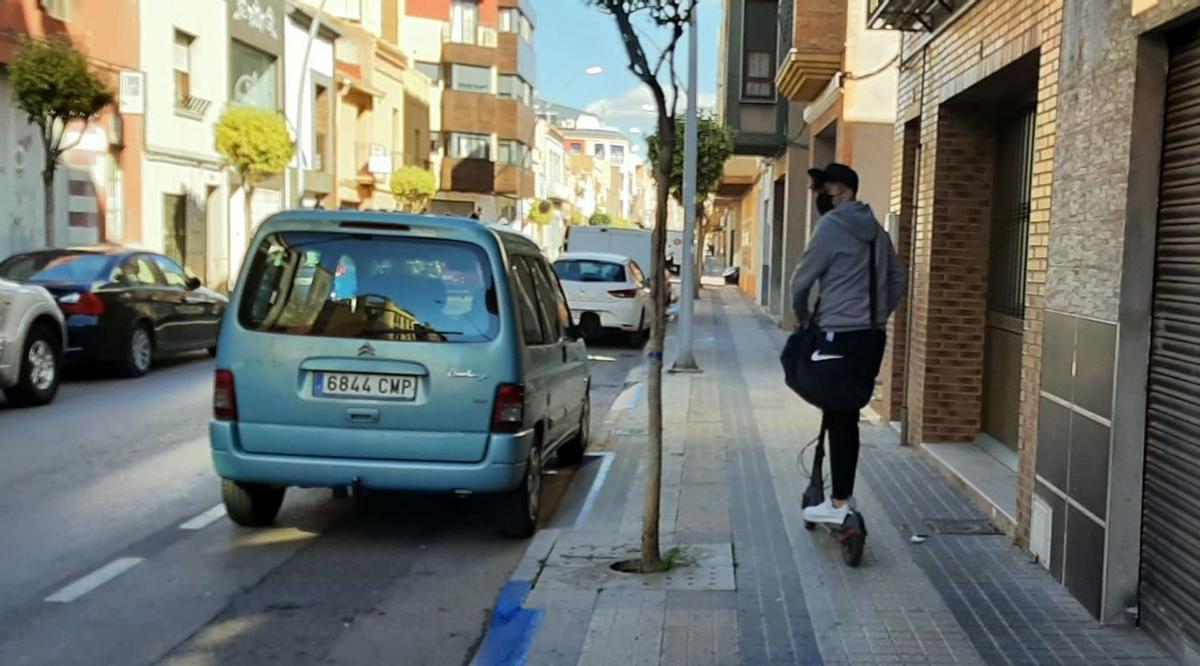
362, 385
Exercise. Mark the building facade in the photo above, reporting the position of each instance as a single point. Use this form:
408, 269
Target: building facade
98, 182
480, 53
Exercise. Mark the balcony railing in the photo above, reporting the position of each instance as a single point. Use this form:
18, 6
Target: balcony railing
192, 107
910, 15
481, 36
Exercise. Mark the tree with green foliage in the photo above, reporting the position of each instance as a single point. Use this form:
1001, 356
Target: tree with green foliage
542, 212
714, 148
670, 18
600, 219
413, 188
55, 87
254, 143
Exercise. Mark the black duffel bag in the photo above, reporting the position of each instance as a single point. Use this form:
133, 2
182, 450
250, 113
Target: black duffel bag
835, 371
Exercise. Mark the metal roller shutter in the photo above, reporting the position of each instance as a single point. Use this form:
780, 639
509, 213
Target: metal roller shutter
1170, 575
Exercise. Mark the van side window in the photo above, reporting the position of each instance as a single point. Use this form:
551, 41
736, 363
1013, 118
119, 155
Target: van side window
562, 310
547, 297
527, 303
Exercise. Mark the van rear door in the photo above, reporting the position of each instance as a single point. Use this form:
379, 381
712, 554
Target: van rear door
367, 345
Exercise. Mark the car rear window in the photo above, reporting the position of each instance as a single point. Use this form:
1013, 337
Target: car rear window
370, 286
586, 270
57, 267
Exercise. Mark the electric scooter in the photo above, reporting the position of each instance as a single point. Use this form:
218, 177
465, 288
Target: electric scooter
852, 533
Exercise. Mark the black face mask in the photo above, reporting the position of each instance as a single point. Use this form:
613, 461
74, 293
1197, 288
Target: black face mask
824, 202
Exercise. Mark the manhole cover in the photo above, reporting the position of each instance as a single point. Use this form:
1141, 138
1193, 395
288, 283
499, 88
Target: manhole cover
952, 526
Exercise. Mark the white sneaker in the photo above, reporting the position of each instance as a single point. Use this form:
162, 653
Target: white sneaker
825, 512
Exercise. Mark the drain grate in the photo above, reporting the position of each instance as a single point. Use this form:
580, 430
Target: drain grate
982, 527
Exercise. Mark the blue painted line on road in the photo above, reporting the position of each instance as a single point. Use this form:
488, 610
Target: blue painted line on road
510, 633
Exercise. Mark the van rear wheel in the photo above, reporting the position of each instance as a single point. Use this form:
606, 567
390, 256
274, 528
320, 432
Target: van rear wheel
517, 510
250, 504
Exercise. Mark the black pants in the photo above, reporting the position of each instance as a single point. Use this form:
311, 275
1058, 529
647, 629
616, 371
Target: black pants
842, 428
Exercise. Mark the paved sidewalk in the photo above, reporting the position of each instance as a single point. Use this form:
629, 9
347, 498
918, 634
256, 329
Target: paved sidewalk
732, 484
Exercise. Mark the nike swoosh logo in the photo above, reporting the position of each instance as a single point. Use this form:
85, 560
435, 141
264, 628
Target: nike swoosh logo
818, 356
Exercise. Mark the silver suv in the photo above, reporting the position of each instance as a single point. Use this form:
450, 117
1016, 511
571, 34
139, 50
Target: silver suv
32, 339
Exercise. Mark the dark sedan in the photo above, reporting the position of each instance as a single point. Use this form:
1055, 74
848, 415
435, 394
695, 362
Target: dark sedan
123, 306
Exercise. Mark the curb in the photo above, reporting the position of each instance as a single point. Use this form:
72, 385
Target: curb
512, 627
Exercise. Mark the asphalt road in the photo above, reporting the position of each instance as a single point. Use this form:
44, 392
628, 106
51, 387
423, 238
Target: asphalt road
114, 549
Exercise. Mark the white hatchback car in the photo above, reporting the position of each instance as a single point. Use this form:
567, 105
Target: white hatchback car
607, 292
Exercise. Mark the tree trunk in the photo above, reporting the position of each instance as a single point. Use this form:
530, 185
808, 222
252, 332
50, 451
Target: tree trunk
651, 555
248, 188
698, 251
48, 204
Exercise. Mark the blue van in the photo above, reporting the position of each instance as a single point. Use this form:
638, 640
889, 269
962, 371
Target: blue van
395, 352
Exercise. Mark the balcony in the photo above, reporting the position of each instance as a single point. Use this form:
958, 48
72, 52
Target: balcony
817, 51
515, 181
910, 15
468, 175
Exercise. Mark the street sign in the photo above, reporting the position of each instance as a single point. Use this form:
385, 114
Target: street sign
380, 164
133, 92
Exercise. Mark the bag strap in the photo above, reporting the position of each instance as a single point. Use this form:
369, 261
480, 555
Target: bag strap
873, 285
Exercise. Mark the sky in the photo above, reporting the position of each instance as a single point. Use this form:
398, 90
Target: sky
570, 37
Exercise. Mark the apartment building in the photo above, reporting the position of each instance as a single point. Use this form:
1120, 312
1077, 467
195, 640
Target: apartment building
98, 183
480, 54
611, 150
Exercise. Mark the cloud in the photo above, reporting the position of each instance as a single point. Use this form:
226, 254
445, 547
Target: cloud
626, 108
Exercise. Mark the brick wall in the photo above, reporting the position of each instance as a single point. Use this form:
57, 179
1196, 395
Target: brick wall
946, 339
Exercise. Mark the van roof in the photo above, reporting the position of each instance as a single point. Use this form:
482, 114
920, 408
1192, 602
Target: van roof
328, 220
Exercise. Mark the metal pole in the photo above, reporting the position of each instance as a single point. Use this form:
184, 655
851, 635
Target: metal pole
685, 360
313, 28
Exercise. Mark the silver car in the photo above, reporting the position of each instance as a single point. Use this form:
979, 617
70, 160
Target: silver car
32, 337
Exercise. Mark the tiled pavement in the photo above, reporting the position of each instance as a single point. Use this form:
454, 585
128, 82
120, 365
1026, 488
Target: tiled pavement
731, 475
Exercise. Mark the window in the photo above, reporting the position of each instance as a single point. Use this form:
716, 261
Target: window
181, 55
375, 287
531, 321
56, 9
564, 310
575, 147
759, 79
618, 154
435, 142
322, 127
598, 151
469, 78
510, 86
254, 79
636, 271
512, 20
57, 266
139, 272
464, 21
172, 272
580, 270
512, 152
547, 297
470, 146
431, 69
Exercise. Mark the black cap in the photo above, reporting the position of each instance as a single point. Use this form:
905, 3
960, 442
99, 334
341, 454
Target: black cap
834, 173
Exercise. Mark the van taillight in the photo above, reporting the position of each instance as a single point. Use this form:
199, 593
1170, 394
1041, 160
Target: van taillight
508, 414
224, 397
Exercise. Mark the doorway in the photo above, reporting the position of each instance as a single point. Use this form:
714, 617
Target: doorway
1007, 258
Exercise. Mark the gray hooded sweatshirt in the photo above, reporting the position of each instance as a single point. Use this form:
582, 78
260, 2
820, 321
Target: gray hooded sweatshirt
837, 258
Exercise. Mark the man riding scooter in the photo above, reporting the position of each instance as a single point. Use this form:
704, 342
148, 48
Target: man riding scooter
847, 254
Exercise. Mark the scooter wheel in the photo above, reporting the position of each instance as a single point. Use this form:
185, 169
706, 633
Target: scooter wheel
855, 539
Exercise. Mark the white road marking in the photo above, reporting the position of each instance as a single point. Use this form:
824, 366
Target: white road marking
205, 519
94, 580
600, 358
597, 484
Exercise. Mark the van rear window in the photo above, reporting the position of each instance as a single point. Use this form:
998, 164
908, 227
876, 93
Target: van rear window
377, 287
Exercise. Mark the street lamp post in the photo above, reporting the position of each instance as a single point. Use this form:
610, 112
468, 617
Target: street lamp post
313, 28
685, 360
